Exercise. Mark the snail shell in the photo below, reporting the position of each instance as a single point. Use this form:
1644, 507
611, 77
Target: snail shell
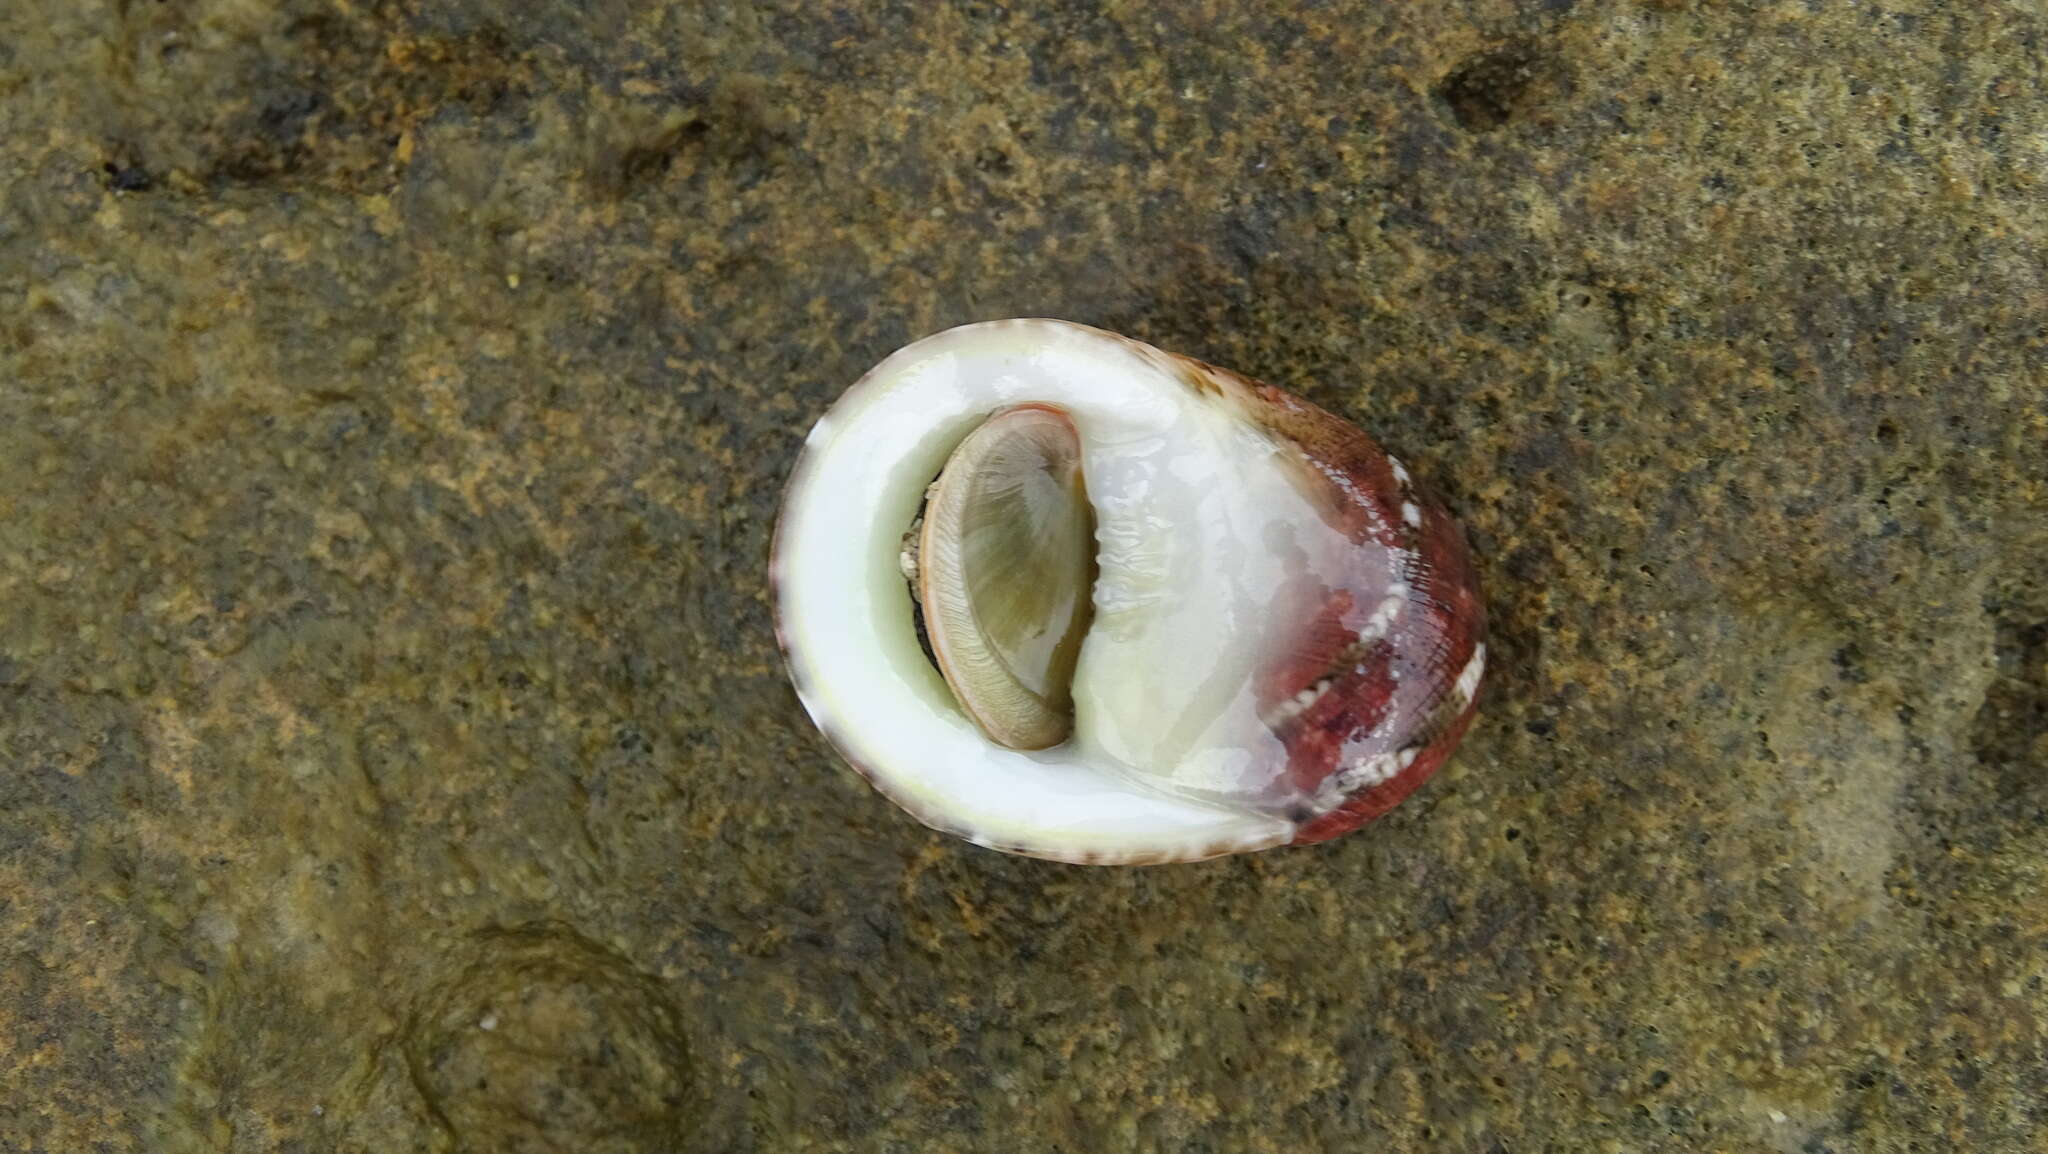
1276, 638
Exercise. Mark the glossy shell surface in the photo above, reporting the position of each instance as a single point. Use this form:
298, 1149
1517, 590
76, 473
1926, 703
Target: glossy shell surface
1288, 637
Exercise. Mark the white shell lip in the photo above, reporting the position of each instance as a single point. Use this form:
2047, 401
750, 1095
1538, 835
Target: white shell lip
1069, 811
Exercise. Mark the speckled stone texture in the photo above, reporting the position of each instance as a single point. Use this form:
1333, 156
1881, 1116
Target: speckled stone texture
394, 401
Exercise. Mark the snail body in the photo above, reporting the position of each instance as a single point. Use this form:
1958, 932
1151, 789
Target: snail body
1275, 637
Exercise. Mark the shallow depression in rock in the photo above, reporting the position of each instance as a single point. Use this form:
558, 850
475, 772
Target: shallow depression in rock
543, 1041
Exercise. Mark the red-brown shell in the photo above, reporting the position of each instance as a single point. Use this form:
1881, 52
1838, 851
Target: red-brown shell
1404, 697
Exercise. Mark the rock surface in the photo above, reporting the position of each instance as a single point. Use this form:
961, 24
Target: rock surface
394, 400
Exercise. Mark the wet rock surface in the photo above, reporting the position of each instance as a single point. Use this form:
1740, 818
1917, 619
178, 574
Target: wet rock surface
394, 400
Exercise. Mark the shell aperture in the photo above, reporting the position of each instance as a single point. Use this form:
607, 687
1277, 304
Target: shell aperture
1005, 572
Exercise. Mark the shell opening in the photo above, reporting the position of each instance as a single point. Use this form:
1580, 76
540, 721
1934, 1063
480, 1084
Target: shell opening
1002, 564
